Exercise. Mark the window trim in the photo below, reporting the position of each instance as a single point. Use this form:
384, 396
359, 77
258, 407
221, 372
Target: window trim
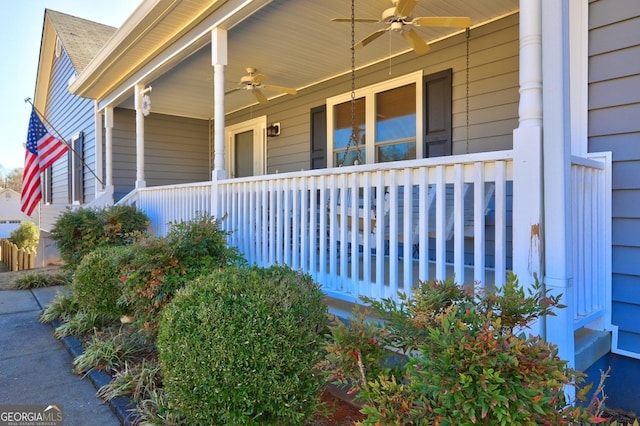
368, 93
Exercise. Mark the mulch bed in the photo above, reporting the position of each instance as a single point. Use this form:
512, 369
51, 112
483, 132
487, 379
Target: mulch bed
342, 413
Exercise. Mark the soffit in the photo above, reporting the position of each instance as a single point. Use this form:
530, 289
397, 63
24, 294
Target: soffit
293, 42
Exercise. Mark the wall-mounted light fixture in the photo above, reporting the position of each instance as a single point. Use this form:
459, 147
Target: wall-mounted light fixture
273, 130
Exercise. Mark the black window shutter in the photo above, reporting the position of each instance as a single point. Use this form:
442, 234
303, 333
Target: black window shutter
319, 137
437, 120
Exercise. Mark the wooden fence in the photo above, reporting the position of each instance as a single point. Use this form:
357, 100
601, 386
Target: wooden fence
16, 259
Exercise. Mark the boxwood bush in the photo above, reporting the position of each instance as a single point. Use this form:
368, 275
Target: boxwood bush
78, 232
241, 346
96, 283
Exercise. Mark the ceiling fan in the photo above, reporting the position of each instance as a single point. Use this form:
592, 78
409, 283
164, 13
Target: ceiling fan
254, 83
398, 19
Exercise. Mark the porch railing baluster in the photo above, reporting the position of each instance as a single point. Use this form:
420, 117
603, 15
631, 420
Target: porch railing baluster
344, 226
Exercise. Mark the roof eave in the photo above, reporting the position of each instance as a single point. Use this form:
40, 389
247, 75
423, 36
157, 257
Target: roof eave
82, 85
43, 73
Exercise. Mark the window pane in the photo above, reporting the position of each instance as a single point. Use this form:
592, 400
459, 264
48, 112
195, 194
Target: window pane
244, 154
396, 152
396, 114
351, 157
342, 127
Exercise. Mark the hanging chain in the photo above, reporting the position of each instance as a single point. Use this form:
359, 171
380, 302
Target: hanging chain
353, 139
467, 89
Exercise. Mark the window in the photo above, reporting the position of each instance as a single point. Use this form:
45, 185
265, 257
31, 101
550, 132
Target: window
385, 120
342, 132
396, 124
76, 169
47, 186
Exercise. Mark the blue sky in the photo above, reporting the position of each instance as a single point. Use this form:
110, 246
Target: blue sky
21, 29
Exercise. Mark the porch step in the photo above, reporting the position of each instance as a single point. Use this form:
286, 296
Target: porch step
590, 346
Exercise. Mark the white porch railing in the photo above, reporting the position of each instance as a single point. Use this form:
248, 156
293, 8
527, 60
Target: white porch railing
374, 230
591, 208
171, 203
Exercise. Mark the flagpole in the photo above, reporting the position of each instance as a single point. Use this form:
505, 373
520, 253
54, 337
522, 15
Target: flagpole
64, 141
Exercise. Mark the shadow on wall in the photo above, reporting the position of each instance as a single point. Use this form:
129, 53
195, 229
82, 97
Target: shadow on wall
622, 388
48, 253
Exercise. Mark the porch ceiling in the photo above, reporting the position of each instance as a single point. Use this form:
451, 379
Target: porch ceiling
295, 44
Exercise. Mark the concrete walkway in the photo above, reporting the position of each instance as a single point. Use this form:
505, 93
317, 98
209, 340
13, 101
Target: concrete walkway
35, 367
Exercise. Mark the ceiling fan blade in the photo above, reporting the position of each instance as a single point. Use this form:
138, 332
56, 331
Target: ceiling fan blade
231, 91
280, 89
260, 96
259, 78
357, 20
418, 44
443, 21
405, 7
368, 39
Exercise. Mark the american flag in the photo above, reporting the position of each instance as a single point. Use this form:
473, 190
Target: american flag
42, 151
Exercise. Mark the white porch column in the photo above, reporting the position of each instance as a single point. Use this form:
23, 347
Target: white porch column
140, 182
218, 60
99, 187
527, 147
108, 145
557, 171
579, 69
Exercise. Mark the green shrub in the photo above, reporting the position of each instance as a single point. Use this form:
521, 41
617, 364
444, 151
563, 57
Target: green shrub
41, 279
161, 266
200, 245
78, 232
468, 360
135, 379
109, 351
26, 236
96, 282
80, 323
240, 346
62, 307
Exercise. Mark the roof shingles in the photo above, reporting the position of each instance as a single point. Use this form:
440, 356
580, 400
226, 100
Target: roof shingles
82, 39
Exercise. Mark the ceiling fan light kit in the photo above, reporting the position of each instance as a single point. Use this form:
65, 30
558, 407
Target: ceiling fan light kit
398, 19
253, 82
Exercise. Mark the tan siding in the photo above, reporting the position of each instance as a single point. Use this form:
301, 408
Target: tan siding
493, 95
176, 150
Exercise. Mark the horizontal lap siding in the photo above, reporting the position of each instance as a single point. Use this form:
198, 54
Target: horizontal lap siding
176, 150
493, 95
68, 114
614, 108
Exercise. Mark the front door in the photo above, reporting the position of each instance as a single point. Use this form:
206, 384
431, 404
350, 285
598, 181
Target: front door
245, 148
